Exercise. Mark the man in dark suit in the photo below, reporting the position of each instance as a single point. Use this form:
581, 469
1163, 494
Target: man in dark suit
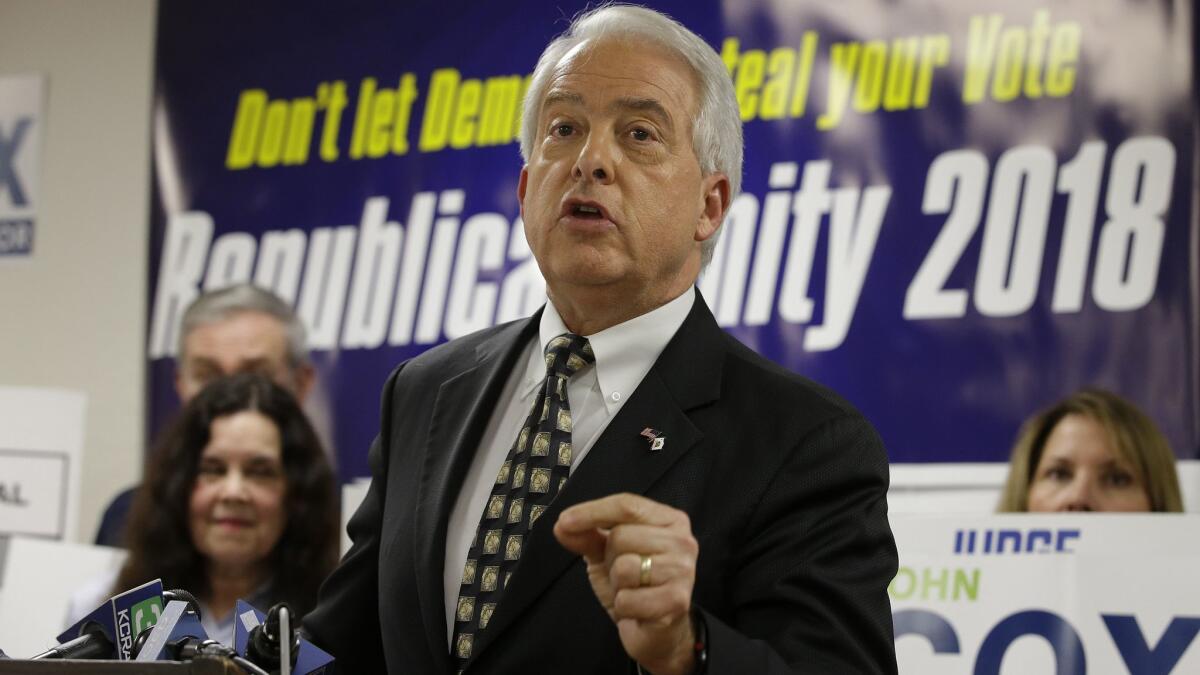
721, 514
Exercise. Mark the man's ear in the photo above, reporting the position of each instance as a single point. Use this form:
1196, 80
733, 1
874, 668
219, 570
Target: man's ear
716, 204
179, 377
306, 377
522, 185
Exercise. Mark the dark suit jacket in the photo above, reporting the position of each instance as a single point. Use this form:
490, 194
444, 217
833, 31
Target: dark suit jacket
784, 482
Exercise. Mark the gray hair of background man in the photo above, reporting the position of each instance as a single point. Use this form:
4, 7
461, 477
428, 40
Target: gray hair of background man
717, 132
218, 305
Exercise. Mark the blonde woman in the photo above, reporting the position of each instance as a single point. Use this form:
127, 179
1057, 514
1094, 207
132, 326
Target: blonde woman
1092, 451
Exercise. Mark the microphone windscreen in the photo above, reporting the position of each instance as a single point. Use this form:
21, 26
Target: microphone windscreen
183, 596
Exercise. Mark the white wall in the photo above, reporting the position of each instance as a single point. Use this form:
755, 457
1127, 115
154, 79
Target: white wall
73, 316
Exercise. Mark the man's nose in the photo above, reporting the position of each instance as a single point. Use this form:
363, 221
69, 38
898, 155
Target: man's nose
597, 160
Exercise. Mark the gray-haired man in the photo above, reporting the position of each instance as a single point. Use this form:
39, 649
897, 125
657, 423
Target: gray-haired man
672, 502
242, 328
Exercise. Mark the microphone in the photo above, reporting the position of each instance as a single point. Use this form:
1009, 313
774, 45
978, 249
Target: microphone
191, 608
193, 605
275, 644
178, 626
108, 631
92, 643
276, 637
179, 636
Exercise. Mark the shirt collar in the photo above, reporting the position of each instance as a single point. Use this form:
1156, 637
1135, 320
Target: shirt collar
624, 352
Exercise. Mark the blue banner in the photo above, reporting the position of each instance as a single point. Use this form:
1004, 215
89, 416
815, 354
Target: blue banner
953, 213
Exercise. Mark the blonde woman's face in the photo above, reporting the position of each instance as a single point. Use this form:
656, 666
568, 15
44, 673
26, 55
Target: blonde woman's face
1080, 471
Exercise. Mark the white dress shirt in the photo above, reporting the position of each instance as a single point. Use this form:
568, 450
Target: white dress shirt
624, 354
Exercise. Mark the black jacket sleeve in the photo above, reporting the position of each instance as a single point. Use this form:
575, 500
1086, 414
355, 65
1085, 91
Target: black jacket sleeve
809, 588
345, 622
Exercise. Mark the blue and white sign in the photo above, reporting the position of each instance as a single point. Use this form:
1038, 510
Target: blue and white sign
21, 120
1008, 595
955, 212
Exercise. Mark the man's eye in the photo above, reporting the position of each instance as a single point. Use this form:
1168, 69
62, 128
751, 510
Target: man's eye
563, 130
640, 135
203, 374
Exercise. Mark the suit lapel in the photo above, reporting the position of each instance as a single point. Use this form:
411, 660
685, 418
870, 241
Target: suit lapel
461, 410
685, 376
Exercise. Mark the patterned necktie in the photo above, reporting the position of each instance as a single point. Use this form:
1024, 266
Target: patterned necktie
532, 475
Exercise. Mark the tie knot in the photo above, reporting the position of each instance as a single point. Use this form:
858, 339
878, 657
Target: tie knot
567, 354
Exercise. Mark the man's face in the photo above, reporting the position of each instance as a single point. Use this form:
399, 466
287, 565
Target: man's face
243, 342
613, 197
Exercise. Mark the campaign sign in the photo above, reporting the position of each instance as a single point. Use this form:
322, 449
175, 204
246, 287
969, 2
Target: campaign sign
953, 212
20, 152
1009, 595
33, 492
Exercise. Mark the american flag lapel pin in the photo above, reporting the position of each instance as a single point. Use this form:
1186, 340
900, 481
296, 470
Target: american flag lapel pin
655, 437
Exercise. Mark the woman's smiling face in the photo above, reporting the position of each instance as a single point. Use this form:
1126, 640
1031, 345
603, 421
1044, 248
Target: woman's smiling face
237, 511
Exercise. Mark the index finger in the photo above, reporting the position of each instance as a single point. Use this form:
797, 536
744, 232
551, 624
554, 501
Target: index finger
619, 509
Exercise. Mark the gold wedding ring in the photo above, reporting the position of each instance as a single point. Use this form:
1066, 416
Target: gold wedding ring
644, 577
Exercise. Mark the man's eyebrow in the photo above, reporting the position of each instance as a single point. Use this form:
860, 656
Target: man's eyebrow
638, 103
560, 96
645, 105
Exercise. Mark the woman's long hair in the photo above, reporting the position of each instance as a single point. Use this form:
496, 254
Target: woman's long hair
158, 534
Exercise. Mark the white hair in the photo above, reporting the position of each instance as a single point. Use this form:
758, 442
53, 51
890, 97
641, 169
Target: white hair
717, 129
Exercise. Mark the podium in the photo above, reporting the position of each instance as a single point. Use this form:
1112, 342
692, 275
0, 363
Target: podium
202, 665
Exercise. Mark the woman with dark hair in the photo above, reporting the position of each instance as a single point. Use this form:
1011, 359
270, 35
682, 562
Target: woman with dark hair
238, 501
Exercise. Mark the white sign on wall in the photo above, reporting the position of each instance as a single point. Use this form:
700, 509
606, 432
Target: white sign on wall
33, 492
41, 447
21, 121
37, 579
